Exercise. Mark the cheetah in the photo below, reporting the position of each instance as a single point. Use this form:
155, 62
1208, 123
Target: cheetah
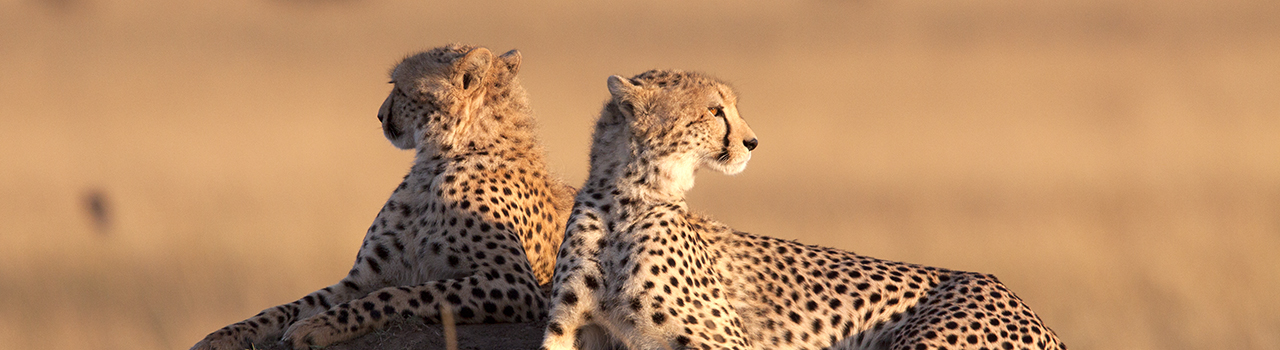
474, 225
638, 269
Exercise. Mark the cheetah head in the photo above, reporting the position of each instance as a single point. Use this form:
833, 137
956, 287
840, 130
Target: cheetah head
687, 115
437, 94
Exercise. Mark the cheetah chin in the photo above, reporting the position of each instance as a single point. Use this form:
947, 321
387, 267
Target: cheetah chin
731, 167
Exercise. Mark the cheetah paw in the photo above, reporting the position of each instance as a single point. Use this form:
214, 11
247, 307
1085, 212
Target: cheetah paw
222, 341
311, 333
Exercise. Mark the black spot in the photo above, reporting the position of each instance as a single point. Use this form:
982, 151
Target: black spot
591, 282
384, 296
659, 318
569, 298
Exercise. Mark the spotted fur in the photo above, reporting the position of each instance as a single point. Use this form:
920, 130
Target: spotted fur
639, 269
474, 225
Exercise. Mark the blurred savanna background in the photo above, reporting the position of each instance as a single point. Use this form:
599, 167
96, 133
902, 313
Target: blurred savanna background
170, 167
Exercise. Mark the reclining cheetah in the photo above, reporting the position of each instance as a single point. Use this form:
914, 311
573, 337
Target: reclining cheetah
638, 269
474, 225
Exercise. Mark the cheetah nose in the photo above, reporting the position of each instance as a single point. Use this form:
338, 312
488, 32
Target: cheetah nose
751, 144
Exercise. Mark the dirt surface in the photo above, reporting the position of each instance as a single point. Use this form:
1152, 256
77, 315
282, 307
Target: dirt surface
417, 335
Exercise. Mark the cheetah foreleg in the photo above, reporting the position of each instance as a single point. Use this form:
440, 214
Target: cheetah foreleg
271, 322
578, 278
574, 304
480, 298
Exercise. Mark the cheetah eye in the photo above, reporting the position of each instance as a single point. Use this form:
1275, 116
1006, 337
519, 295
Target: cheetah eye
716, 111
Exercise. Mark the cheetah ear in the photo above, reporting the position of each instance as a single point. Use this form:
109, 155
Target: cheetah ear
512, 59
619, 87
472, 67
623, 91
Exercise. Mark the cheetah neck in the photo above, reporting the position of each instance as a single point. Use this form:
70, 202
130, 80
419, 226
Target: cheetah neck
481, 141
627, 180
487, 126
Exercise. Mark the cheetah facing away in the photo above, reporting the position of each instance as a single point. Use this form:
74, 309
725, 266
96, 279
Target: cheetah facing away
638, 269
474, 225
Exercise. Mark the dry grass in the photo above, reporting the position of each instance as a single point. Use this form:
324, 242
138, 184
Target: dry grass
1117, 164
